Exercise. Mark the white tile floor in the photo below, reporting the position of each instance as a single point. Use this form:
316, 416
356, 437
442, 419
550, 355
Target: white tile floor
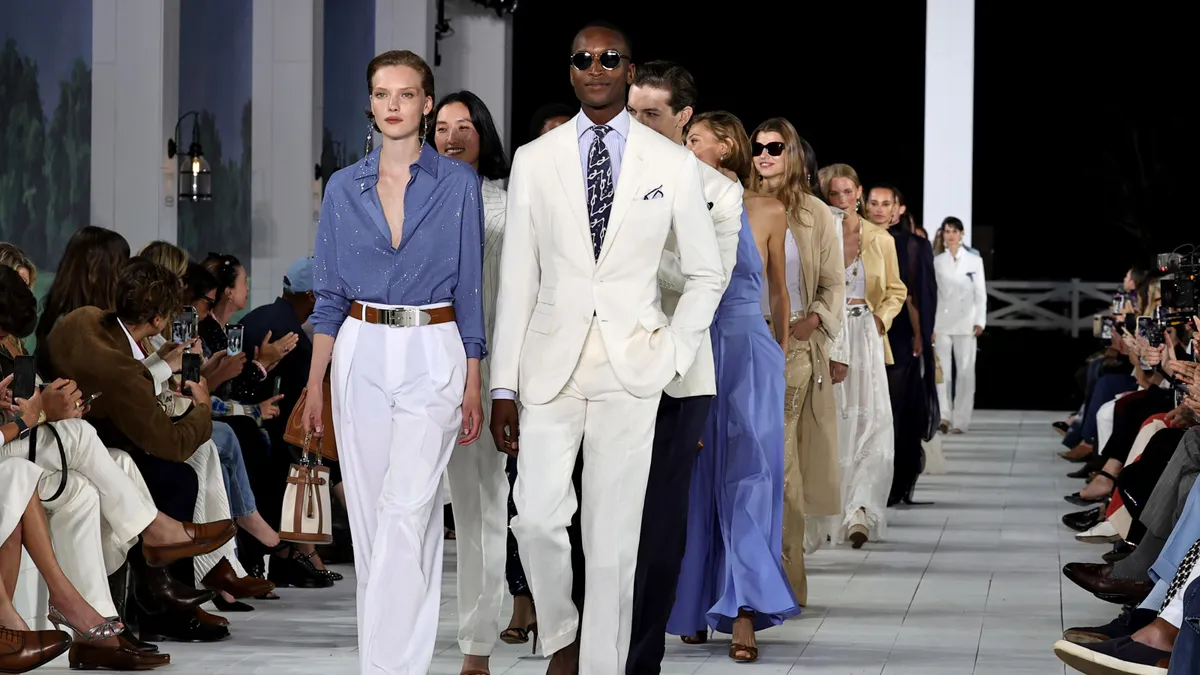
970, 585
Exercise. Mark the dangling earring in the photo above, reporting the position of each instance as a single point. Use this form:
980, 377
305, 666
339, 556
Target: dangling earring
370, 137
858, 205
424, 128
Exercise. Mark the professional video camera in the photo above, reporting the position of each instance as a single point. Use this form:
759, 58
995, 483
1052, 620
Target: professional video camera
1178, 286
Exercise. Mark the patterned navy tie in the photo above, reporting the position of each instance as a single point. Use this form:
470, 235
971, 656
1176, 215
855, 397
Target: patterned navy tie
599, 187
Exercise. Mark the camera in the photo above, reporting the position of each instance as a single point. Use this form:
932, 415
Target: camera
1177, 287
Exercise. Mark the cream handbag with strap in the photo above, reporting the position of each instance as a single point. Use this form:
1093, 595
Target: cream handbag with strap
307, 516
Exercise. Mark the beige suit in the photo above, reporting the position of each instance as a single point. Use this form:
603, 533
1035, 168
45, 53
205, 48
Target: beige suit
810, 459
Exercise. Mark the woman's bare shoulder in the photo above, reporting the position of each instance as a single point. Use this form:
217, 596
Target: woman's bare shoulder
760, 204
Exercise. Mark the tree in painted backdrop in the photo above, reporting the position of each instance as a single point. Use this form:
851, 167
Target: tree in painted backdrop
44, 174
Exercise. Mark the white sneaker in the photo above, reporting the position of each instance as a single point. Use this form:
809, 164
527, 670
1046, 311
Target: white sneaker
1102, 533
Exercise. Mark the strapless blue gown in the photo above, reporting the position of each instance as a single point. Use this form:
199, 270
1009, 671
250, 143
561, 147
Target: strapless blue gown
734, 548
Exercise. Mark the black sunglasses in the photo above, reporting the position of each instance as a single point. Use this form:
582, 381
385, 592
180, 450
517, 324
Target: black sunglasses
609, 60
773, 149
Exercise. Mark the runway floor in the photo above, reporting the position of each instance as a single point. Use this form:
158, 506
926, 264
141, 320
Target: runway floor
969, 585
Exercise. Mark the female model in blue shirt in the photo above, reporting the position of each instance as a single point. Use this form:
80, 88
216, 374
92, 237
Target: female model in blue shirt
398, 274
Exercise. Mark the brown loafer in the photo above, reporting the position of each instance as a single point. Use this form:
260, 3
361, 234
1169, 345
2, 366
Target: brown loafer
1078, 453
87, 656
211, 619
205, 538
24, 650
223, 578
1097, 579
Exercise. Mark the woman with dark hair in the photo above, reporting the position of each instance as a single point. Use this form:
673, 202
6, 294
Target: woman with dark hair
464, 130
398, 276
961, 317
86, 276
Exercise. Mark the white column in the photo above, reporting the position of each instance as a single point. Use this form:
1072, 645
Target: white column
949, 111
405, 24
135, 67
285, 149
478, 57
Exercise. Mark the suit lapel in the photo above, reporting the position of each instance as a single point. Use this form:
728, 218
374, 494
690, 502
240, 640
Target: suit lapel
570, 173
632, 168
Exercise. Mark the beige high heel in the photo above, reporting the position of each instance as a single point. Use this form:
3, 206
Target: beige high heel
109, 629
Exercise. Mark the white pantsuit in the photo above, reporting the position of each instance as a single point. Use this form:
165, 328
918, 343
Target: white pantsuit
962, 305
583, 343
397, 409
20, 478
478, 482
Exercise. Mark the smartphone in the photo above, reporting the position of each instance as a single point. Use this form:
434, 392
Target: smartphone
1106, 328
233, 346
24, 377
278, 385
191, 368
90, 399
185, 326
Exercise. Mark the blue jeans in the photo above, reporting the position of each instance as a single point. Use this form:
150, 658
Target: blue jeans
1107, 388
1186, 653
233, 468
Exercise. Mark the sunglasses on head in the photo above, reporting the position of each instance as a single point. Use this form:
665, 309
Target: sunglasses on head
609, 60
774, 149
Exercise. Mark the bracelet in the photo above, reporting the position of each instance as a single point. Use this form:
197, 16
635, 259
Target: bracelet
262, 370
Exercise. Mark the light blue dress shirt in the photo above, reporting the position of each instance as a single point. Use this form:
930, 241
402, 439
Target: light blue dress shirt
615, 142
440, 257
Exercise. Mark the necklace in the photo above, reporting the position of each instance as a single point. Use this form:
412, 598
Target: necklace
854, 264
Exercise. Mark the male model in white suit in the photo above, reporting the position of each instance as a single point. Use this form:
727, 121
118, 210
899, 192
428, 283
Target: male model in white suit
581, 337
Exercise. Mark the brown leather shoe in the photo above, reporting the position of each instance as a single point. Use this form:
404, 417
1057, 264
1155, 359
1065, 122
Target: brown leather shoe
23, 650
205, 538
87, 656
223, 578
1097, 579
211, 619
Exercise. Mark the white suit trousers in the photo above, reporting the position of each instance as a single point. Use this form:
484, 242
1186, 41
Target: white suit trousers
81, 542
397, 406
617, 431
961, 348
212, 504
480, 502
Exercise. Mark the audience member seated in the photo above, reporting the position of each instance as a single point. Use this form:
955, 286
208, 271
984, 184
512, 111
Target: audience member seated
100, 350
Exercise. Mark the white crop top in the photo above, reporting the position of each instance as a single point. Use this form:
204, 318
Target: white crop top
856, 281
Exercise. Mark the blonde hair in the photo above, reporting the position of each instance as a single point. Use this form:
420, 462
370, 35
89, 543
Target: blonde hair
728, 129
795, 184
827, 174
12, 256
166, 254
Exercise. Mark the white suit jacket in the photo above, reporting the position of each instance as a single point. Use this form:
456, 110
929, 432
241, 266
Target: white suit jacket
551, 283
725, 207
962, 293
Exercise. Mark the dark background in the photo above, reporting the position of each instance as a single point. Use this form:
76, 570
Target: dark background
1081, 153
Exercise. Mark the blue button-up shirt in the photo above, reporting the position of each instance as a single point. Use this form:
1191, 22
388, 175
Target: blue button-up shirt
440, 257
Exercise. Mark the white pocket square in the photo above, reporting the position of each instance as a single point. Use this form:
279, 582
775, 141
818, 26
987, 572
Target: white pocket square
656, 193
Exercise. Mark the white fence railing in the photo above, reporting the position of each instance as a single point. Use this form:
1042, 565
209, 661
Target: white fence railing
1048, 305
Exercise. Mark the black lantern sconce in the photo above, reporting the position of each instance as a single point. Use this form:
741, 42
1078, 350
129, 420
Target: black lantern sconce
195, 176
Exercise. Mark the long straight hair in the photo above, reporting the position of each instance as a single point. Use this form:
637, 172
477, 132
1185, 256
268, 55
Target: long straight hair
796, 185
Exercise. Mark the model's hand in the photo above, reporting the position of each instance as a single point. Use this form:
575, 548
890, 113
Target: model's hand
978, 331
918, 346
314, 407
838, 371
804, 328
472, 414
879, 325
504, 427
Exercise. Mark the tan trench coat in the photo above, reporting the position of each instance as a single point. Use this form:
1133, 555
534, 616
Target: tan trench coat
810, 460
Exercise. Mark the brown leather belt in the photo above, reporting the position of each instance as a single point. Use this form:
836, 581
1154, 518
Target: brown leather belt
402, 317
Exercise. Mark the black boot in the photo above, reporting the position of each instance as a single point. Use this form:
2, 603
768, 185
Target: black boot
118, 586
156, 591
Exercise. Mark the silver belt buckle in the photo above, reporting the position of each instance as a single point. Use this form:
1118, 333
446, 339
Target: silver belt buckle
405, 317
856, 310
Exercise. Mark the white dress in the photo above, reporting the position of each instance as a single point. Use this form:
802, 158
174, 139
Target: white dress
865, 437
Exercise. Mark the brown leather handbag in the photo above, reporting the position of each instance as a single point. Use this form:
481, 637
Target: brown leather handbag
294, 434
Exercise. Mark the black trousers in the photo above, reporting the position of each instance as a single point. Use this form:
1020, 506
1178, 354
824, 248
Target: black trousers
1130, 414
677, 432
